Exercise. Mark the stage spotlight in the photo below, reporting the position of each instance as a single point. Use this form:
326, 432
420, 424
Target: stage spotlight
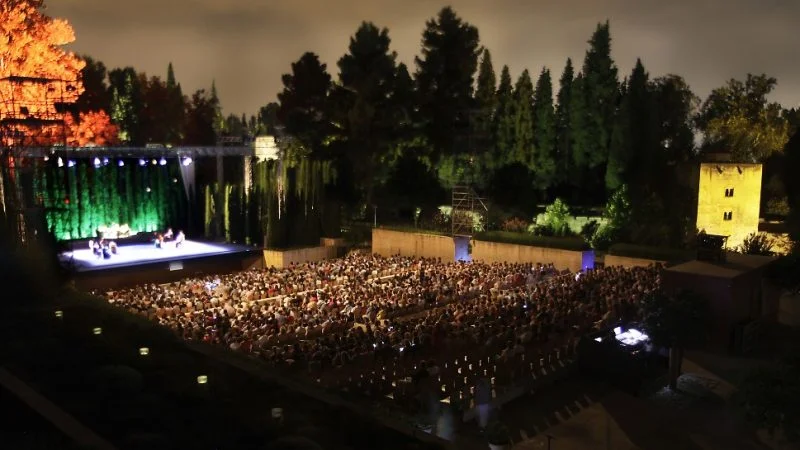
60, 162
142, 162
105, 161
154, 162
70, 163
147, 189
162, 161
187, 161
46, 158
121, 163
97, 162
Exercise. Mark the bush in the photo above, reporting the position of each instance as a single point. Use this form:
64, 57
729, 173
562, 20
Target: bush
589, 229
604, 237
757, 244
505, 237
515, 224
557, 217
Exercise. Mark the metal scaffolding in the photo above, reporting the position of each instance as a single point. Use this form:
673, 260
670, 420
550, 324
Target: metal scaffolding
466, 207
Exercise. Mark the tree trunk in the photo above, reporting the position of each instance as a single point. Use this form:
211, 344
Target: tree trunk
675, 360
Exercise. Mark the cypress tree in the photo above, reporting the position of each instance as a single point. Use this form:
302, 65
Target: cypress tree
524, 150
486, 103
544, 135
563, 128
504, 121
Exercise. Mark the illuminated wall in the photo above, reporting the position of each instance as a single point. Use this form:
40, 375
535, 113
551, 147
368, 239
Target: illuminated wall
729, 199
80, 195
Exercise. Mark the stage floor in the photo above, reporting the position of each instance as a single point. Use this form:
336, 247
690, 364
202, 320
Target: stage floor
138, 254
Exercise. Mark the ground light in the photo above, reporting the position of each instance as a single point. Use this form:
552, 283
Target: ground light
97, 331
144, 351
202, 379
59, 314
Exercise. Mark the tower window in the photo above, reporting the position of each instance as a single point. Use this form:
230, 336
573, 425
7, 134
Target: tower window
727, 215
729, 192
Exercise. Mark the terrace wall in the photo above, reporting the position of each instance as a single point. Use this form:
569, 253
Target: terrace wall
390, 243
490, 252
284, 258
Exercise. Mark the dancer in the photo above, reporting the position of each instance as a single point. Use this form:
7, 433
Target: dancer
159, 240
179, 239
168, 235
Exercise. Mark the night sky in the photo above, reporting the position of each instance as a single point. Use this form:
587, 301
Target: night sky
247, 44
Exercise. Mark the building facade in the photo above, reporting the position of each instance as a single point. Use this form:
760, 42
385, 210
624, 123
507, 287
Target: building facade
729, 200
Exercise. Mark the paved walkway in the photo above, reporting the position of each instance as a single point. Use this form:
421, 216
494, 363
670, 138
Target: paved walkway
70, 426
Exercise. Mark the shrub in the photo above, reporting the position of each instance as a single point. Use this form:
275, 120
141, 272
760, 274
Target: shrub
589, 229
515, 224
757, 244
557, 217
505, 237
604, 237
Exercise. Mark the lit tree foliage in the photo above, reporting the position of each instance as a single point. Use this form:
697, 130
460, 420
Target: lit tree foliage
31, 45
92, 128
738, 118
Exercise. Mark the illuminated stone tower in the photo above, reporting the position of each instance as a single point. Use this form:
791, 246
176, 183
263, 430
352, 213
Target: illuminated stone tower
729, 199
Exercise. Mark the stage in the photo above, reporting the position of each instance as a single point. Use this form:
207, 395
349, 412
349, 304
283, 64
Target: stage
144, 263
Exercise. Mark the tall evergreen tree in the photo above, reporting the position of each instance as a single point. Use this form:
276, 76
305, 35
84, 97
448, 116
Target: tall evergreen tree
600, 92
524, 150
364, 110
219, 119
633, 148
175, 108
304, 104
563, 128
445, 78
544, 132
504, 121
486, 105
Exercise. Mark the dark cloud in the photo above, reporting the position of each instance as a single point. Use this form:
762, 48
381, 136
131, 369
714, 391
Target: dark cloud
247, 44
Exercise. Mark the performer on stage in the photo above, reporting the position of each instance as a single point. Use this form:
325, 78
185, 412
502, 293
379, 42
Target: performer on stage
113, 247
159, 241
168, 235
179, 239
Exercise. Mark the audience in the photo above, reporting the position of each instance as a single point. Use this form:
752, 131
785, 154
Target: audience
333, 313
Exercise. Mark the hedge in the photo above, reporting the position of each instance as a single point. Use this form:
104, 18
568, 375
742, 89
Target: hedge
647, 252
509, 237
412, 229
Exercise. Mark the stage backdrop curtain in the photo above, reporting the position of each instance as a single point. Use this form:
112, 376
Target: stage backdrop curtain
80, 197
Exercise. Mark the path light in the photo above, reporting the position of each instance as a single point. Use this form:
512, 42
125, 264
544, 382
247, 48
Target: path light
202, 379
144, 351
97, 331
59, 314
277, 414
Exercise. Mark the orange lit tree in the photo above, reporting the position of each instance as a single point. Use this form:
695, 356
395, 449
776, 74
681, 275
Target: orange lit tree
36, 75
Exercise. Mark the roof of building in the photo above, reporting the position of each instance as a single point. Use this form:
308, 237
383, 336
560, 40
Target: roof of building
735, 265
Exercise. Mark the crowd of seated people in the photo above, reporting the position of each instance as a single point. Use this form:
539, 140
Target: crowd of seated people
330, 313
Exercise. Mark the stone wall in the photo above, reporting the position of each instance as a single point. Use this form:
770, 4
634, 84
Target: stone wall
490, 252
389, 243
284, 258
